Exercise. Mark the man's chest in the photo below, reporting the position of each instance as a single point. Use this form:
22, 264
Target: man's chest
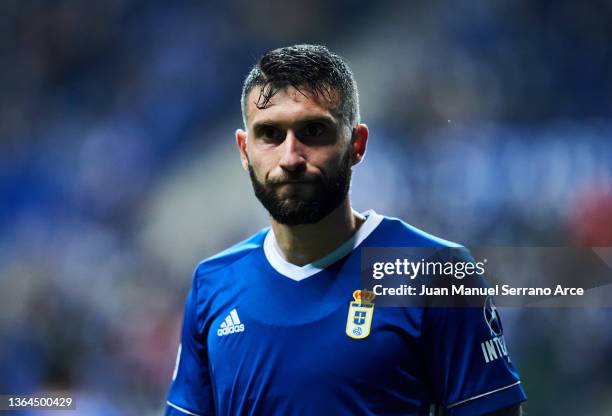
244, 349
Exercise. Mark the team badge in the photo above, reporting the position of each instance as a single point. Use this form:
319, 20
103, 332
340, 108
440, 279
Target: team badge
360, 314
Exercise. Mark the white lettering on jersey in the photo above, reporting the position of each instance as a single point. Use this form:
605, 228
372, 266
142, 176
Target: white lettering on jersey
230, 325
494, 348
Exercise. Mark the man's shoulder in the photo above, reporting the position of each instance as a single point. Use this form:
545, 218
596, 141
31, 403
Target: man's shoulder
395, 232
232, 254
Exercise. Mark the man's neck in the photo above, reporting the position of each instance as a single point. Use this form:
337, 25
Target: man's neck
303, 244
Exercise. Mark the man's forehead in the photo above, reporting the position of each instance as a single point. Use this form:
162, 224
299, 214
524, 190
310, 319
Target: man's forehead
290, 100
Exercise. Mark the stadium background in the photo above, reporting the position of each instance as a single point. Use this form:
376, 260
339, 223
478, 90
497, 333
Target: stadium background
490, 125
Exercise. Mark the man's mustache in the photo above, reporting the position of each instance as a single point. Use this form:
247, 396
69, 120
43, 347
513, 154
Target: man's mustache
288, 179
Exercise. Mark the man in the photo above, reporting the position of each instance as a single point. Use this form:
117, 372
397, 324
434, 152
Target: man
265, 330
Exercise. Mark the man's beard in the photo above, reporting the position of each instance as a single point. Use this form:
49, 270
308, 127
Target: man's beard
330, 192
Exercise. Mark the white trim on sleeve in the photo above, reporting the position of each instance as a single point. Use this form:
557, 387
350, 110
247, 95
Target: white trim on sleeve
482, 395
180, 409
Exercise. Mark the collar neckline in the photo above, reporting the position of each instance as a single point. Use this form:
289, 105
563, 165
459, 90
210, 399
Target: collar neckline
298, 273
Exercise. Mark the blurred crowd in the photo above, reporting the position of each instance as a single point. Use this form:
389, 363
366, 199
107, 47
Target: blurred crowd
490, 125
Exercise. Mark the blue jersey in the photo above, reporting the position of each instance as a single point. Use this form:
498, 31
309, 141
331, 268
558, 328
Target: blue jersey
262, 336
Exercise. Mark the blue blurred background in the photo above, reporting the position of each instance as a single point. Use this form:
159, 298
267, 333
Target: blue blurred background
490, 125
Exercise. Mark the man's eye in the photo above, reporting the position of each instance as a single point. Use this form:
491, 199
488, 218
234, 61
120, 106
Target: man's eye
313, 130
271, 133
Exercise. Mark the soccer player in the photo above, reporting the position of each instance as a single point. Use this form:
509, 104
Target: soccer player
267, 329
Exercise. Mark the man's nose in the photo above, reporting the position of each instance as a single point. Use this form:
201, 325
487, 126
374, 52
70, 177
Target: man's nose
292, 158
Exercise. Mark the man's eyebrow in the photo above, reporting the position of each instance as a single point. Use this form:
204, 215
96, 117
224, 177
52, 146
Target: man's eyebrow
318, 119
324, 119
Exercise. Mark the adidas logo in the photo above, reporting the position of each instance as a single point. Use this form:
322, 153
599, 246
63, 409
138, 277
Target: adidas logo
230, 325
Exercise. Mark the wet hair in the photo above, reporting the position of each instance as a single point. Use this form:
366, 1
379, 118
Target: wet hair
307, 68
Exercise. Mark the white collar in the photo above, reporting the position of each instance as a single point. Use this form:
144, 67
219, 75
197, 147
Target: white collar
298, 273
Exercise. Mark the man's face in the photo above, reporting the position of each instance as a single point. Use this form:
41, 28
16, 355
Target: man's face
299, 156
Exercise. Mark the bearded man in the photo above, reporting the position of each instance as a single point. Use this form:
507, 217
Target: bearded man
270, 324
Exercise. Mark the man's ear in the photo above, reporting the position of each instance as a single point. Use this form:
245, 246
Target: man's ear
241, 142
359, 142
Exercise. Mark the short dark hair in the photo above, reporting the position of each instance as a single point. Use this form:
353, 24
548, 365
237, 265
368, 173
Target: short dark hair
310, 67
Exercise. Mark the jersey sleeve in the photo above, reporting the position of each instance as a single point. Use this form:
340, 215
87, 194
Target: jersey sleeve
190, 391
468, 362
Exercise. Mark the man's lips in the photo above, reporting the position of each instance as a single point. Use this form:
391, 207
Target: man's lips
294, 182
298, 182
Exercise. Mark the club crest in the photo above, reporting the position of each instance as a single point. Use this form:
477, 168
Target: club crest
360, 314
